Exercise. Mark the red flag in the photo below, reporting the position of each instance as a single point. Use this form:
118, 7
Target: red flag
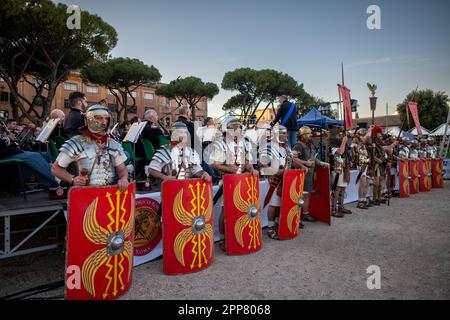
414, 112
345, 93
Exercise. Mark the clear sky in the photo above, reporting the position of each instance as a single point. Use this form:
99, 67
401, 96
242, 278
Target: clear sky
305, 39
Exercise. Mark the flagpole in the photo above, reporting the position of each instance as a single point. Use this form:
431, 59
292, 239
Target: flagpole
387, 107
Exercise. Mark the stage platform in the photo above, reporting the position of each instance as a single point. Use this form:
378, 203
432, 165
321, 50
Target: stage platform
22, 220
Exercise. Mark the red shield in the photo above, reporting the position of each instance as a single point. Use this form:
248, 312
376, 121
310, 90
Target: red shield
438, 179
293, 181
404, 177
188, 228
425, 175
319, 200
242, 214
100, 241
414, 173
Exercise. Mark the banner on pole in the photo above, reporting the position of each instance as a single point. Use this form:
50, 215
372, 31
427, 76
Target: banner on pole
415, 114
345, 94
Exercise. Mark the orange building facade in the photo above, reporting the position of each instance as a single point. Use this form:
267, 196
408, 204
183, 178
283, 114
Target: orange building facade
145, 98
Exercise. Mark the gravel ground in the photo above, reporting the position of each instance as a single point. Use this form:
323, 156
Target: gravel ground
409, 241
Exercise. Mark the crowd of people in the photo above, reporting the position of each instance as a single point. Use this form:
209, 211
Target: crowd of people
90, 154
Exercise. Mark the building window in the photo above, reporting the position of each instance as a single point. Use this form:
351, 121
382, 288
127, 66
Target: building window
167, 103
133, 94
115, 90
66, 103
112, 107
70, 86
148, 96
4, 96
90, 89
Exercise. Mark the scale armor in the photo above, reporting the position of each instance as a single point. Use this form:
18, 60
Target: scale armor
85, 152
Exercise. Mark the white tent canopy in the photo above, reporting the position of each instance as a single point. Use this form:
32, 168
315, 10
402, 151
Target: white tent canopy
440, 131
425, 132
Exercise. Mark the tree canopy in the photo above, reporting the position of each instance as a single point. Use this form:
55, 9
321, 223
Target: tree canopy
121, 76
190, 89
35, 42
432, 108
259, 88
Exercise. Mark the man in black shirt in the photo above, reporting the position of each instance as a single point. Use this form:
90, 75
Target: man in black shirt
185, 115
75, 118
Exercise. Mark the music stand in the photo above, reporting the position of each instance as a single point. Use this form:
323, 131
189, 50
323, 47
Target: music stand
132, 136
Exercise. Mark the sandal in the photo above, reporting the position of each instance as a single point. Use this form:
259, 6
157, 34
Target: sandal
272, 233
222, 245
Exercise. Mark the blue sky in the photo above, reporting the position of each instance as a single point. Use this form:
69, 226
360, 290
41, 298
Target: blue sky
306, 39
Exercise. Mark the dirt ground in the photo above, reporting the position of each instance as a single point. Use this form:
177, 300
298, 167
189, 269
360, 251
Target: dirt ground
409, 241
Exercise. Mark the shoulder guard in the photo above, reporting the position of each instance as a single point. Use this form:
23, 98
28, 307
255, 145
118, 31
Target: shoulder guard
163, 154
72, 147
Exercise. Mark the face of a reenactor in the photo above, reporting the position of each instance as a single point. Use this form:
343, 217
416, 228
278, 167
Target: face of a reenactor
234, 131
102, 121
307, 136
182, 137
282, 136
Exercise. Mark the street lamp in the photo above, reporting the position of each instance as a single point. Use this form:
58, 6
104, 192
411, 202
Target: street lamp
373, 100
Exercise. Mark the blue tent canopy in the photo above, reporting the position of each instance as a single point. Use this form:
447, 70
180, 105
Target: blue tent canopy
315, 119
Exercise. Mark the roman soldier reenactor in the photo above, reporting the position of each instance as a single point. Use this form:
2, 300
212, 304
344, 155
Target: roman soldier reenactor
177, 161
305, 156
98, 158
230, 155
340, 174
362, 164
275, 157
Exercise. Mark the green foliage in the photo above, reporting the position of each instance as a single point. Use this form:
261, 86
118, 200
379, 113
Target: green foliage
124, 75
258, 88
432, 107
35, 41
190, 89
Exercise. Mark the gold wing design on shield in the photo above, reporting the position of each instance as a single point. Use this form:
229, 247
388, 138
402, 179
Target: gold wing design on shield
92, 229
295, 197
185, 218
90, 268
239, 203
97, 235
243, 206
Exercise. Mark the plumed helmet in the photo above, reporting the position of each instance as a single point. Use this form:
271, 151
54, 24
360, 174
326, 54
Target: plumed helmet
362, 132
178, 129
305, 130
376, 131
229, 123
92, 123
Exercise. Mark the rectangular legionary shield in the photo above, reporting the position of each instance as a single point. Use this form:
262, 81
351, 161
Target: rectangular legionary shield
188, 227
319, 201
438, 179
425, 175
100, 239
242, 214
414, 172
403, 177
290, 211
